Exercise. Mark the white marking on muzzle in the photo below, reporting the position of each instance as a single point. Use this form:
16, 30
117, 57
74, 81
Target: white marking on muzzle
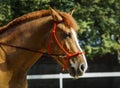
74, 64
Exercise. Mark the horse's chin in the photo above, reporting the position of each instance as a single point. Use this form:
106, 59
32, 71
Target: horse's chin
75, 75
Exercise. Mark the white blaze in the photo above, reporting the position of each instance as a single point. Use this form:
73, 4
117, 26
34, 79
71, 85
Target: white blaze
76, 40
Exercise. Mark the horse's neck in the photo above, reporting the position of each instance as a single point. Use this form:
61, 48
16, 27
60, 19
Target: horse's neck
33, 31
33, 35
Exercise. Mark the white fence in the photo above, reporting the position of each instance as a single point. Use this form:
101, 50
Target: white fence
67, 76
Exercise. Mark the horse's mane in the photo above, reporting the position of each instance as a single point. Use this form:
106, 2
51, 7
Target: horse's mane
69, 21
25, 18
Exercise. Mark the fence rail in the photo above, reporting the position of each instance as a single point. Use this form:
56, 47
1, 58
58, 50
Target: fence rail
62, 76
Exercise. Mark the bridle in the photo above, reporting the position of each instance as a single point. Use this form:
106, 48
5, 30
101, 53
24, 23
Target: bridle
66, 54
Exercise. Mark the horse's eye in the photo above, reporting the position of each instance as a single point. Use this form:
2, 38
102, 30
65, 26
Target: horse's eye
67, 35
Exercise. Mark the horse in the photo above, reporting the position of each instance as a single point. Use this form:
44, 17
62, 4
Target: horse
25, 39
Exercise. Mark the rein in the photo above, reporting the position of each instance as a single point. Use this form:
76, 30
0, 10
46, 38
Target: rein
31, 50
67, 55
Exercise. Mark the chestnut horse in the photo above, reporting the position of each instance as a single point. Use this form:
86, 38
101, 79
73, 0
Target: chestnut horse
24, 40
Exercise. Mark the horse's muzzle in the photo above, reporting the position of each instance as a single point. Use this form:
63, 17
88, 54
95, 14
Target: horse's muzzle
77, 69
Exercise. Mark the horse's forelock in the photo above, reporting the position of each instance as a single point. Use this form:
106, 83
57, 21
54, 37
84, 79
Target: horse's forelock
69, 21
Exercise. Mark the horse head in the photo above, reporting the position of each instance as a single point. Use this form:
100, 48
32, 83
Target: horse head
65, 42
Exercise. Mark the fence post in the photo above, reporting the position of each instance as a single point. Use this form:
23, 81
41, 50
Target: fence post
61, 81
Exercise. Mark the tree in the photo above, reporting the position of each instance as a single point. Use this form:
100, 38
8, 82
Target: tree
5, 13
98, 20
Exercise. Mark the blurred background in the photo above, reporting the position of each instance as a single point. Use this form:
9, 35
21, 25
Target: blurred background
99, 36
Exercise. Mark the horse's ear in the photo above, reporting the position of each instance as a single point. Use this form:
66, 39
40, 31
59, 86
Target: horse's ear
55, 14
71, 12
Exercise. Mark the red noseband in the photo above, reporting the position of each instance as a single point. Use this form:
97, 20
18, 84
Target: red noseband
68, 55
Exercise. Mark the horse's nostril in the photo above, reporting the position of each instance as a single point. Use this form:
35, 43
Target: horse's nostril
82, 67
